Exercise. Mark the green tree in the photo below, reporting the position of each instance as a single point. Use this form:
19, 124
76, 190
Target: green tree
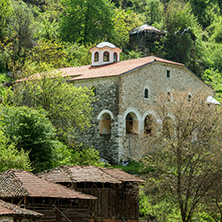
30, 130
86, 21
124, 21
185, 153
5, 13
149, 9
182, 41
10, 157
68, 107
214, 79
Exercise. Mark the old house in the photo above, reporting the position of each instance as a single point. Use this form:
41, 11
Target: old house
116, 191
143, 38
13, 213
54, 201
124, 89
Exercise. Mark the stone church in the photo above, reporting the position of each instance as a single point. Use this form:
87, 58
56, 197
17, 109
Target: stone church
122, 88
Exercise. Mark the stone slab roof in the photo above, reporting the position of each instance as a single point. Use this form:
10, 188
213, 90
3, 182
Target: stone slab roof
78, 174
20, 183
8, 209
146, 28
109, 70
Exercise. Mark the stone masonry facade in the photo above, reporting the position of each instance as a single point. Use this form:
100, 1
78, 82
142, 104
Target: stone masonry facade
123, 94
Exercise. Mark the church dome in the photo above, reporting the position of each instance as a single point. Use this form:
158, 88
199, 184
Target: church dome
105, 53
105, 44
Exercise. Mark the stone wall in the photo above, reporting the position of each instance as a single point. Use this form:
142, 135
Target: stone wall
154, 78
121, 95
107, 100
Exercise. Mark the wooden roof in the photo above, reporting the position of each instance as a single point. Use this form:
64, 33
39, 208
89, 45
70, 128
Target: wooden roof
20, 183
8, 209
78, 174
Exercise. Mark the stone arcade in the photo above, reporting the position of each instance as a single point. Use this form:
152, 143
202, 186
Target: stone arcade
122, 88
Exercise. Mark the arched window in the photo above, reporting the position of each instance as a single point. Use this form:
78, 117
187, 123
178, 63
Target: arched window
168, 97
131, 123
146, 93
105, 124
106, 56
189, 97
96, 57
149, 127
115, 57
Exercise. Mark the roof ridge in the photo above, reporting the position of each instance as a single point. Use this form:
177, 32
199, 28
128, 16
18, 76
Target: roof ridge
101, 168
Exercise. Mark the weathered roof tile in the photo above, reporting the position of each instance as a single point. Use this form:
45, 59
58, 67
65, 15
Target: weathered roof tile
19, 183
88, 174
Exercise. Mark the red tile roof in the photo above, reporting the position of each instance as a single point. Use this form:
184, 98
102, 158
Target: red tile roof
114, 69
88, 174
12, 209
20, 183
110, 70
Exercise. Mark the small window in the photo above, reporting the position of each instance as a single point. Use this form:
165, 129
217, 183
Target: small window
146, 94
189, 97
168, 97
149, 125
106, 56
168, 74
96, 57
115, 58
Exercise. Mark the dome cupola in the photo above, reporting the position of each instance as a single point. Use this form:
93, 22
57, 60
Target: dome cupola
105, 53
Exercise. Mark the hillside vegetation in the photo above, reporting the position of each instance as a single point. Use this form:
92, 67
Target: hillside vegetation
60, 32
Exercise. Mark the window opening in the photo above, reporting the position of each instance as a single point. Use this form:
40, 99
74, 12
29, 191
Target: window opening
115, 58
149, 125
189, 98
168, 97
105, 124
106, 56
96, 57
168, 73
131, 124
146, 94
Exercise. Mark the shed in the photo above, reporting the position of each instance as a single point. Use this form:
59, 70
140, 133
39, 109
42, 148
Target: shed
117, 191
143, 38
13, 213
55, 202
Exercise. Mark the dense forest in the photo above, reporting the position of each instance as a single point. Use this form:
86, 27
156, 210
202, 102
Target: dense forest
60, 32
39, 119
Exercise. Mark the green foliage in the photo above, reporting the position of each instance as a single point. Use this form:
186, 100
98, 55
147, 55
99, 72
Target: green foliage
68, 107
47, 55
67, 156
124, 21
86, 21
214, 79
77, 54
127, 54
149, 9
182, 30
10, 157
134, 167
30, 130
5, 13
